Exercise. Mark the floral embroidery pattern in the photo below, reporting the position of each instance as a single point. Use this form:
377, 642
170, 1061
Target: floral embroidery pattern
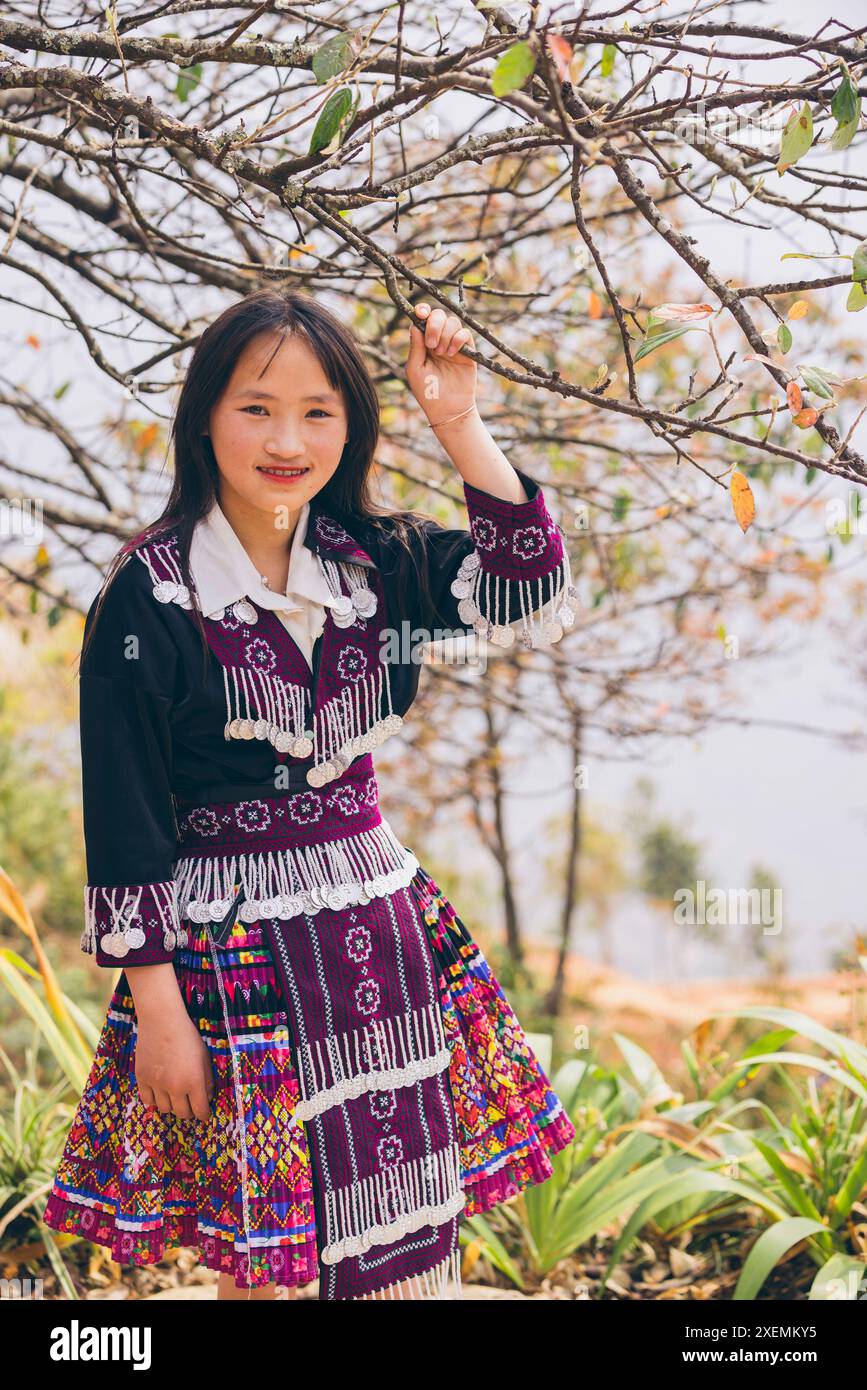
345, 800
352, 664
331, 532
305, 808
203, 821
358, 944
367, 997
382, 1104
252, 815
260, 655
390, 1150
484, 532
528, 542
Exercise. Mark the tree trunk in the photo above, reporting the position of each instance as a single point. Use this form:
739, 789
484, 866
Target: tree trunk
553, 1001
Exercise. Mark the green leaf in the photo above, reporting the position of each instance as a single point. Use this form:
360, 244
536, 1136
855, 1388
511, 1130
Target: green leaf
841, 1272
334, 57
769, 1249
857, 297
655, 340
513, 69
845, 133
784, 337
188, 80
622, 503
609, 53
62, 390
859, 261
844, 100
331, 117
797, 137
811, 256
818, 382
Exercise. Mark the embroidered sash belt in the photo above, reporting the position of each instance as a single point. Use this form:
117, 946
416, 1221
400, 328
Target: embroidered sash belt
289, 852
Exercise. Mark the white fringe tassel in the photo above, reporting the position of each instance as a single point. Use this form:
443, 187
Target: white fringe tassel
400, 1051
473, 588
424, 1192
359, 719
286, 883
355, 721
262, 706
126, 934
433, 1283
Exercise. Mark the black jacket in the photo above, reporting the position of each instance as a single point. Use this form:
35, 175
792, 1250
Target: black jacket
154, 736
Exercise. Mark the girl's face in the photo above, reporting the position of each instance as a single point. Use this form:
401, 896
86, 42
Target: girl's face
288, 417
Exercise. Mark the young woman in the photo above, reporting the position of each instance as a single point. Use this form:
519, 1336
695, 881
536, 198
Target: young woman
307, 1069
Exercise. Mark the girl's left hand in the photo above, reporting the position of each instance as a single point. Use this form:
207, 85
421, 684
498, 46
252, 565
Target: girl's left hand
440, 376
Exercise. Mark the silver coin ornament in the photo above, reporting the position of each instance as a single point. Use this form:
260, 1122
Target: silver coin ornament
342, 606
135, 938
364, 602
165, 591
244, 611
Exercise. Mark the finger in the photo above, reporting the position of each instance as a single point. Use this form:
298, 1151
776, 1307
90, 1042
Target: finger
163, 1102
147, 1095
434, 328
181, 1106
415, 358
422, 310
463, 338
200, 1103
447, 337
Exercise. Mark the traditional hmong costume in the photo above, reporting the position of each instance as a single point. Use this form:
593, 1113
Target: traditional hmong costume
372, 1083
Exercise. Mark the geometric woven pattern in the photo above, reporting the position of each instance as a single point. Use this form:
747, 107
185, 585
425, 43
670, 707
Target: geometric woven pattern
141, 1182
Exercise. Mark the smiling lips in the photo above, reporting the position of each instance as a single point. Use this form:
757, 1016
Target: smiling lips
283, 472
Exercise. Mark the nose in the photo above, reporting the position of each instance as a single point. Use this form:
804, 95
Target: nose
285, 442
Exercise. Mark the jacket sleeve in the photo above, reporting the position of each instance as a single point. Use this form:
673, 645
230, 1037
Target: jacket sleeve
508, 575
127, 683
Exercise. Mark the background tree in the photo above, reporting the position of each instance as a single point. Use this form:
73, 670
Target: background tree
577, 188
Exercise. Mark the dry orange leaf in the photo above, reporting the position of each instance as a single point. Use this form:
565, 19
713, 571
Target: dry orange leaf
33, 341
145, 438
680, 313
806, 417
799, 309
793, 396
594, 305
742, 500
561, 51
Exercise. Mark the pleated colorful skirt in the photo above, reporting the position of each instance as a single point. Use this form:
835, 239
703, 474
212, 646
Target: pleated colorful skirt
239, 1186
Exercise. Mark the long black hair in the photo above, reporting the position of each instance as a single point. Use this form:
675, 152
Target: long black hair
345, 496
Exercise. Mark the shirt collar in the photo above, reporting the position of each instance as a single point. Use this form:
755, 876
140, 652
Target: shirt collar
223, 572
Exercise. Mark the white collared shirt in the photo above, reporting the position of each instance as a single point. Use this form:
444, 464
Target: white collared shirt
223, 573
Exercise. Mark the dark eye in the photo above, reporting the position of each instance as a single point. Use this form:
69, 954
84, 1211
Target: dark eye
252, 407
320, 411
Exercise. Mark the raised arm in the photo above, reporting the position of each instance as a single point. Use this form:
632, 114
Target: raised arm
509, 574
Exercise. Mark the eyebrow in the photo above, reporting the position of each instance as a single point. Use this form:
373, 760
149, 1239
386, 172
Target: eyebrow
267, 396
